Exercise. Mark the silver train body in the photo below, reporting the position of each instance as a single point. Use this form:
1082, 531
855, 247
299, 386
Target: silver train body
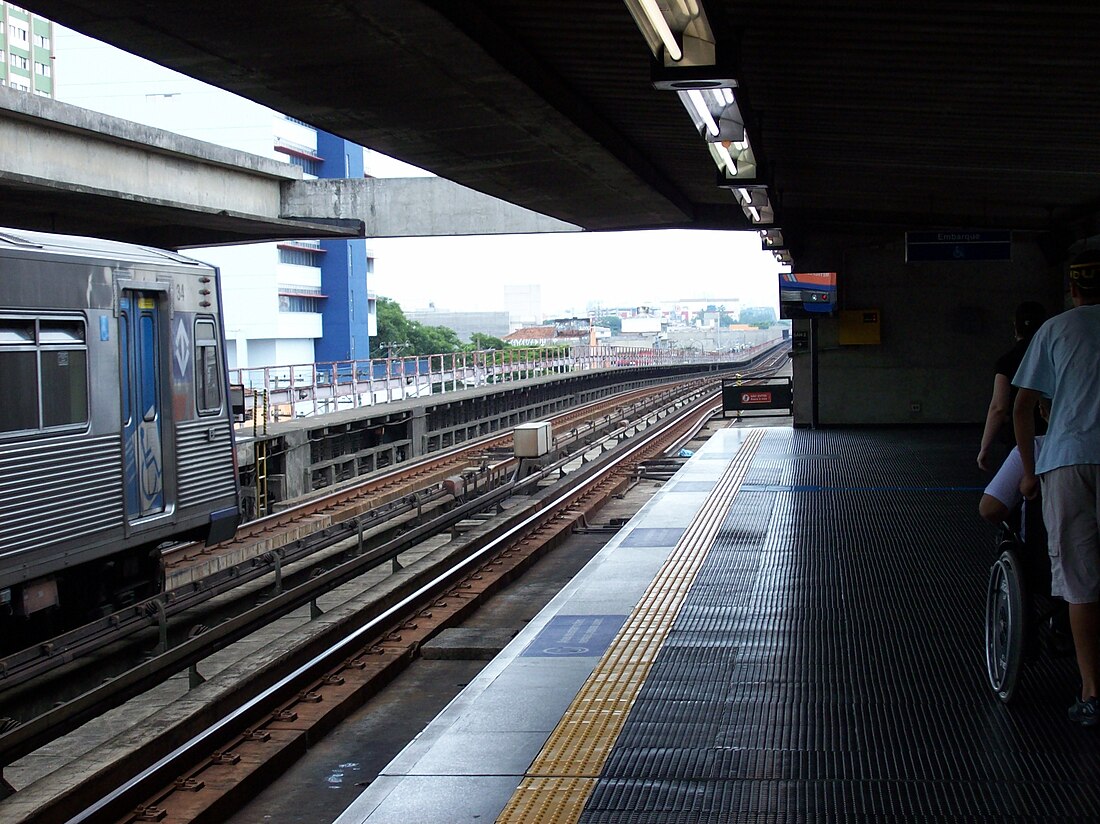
115, 425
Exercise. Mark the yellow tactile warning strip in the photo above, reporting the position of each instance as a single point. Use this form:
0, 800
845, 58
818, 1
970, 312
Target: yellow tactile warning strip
563, 775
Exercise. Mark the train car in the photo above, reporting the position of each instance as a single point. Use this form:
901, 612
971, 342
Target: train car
115, 424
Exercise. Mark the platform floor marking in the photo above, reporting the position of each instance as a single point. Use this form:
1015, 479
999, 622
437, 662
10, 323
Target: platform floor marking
563, 775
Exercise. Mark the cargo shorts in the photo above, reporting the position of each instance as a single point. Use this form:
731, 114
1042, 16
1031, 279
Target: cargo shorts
1071, 510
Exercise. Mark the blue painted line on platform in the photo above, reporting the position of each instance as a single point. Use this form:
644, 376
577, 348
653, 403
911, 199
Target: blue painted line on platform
653, 536
575, 636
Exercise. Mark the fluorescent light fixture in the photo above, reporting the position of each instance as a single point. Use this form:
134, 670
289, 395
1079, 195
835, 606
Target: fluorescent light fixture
656, 19
771, 238
731, 125
723, 97
701, 108
756, 204
753, 195
725, 156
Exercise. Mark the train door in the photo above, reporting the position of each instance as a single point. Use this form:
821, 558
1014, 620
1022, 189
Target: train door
141, 378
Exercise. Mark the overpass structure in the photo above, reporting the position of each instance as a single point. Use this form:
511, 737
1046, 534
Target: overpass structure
68, 169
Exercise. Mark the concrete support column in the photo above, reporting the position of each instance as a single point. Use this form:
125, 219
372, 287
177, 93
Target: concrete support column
418, 433
297, 463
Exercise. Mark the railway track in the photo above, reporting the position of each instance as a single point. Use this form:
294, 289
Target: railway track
382, 657
195, 574
202, 766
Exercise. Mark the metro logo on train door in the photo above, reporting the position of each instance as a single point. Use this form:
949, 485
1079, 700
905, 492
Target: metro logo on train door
141, 378
181, 348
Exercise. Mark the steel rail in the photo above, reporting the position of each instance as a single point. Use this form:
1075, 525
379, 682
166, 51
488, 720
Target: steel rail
19, 667
206, 739
34, 734
24, 665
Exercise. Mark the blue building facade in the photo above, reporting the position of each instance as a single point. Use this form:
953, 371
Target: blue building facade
346, 266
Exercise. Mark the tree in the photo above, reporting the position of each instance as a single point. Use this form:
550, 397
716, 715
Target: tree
480, 340
761, 316
432, 340
397, 335
612, 322
393, 329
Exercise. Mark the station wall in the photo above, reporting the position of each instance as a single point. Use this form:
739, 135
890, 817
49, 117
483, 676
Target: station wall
942, 325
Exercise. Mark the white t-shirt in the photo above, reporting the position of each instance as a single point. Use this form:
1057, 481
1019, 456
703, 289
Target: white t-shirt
1062, 362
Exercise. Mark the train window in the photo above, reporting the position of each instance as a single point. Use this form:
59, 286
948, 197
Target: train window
61, 332
13, 331
63, 364
45, 362
64, 387
208, 393
19, 374
147, 353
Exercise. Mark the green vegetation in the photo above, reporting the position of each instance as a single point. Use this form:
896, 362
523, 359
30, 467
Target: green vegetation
612, 322
398, 336
759, 316
479, 340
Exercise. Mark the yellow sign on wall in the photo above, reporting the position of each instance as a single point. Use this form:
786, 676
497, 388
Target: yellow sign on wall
859, 327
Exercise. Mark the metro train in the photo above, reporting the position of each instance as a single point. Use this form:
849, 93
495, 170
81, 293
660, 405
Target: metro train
115, 422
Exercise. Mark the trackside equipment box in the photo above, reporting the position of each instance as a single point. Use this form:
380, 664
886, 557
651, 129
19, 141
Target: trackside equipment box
532, 440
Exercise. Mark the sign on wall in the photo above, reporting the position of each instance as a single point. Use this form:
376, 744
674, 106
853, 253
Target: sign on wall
958, 245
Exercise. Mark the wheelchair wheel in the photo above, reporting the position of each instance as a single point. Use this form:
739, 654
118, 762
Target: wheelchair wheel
1005, 609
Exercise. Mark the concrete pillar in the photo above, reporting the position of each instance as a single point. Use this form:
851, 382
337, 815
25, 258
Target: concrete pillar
418, 433
297, 463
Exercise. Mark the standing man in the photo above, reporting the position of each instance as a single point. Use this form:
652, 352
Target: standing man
1063, 364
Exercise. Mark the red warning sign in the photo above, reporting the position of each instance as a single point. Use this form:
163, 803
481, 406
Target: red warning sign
756, 397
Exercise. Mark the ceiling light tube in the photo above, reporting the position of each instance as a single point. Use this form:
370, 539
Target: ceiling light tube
727, 158
696, 98
755, 214
771, 237
660, 25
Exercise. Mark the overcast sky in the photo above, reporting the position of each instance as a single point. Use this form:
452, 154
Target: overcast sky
573, 270
620, 269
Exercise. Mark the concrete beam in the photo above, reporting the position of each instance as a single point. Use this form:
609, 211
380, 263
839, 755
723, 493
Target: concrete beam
68, 169
413, 207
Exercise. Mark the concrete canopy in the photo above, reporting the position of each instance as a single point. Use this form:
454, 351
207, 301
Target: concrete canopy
864, 114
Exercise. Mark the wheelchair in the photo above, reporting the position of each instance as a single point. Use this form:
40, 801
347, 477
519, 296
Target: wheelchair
1021, 616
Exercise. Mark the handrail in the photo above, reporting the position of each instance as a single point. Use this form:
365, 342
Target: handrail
310, 389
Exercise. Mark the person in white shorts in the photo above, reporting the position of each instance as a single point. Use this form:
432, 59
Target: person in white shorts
1003, 495
1063, 363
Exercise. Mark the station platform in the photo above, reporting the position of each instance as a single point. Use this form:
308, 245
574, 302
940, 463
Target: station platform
790, 630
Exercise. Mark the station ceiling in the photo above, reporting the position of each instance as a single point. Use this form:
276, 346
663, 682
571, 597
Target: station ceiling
863, 114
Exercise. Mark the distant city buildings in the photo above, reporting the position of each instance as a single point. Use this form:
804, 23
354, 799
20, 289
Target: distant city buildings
555, 332
524, 304
702, 325
464, 324
26, 51
291, 302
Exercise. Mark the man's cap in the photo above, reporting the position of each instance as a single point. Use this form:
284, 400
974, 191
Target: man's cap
1084, 272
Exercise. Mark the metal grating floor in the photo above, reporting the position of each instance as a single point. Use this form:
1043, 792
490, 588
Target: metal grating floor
828, 663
